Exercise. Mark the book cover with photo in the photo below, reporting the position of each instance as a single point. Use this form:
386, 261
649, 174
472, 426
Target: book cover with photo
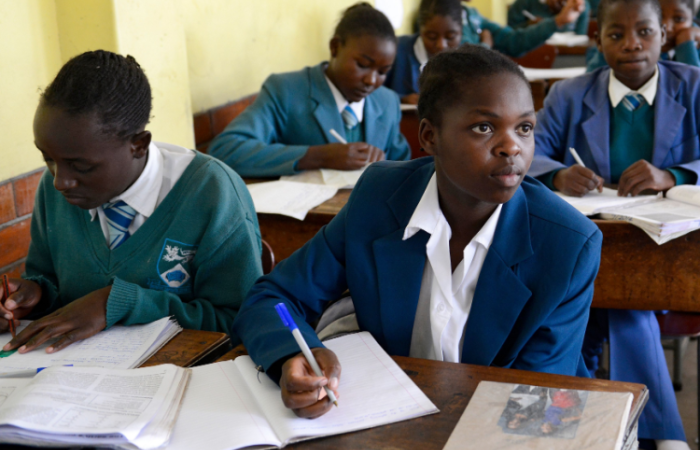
517, 416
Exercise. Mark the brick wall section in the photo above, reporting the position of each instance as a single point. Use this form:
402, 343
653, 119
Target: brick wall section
16, 205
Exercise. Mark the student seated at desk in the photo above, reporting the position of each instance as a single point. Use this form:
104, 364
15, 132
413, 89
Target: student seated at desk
126, 230
456, 257
440, 28
521, 13
634, 124
515, 42
682, 36
287, 128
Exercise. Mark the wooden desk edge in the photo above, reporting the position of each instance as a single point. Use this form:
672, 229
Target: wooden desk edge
209, 342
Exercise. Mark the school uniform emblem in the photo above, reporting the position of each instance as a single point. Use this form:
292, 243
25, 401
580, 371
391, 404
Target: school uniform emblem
173, 263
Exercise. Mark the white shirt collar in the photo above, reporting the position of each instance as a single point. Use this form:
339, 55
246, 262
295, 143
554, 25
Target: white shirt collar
143, 194
341, 102
427, 217
617, 90
421, 52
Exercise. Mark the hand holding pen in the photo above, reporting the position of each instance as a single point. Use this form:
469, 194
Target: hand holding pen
308, 394
5, 296
577, 180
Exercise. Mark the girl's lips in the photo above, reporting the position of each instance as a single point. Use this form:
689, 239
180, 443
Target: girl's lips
509, 176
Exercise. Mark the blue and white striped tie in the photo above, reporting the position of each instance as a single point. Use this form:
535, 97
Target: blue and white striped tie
632, 100
119, 217
349, 118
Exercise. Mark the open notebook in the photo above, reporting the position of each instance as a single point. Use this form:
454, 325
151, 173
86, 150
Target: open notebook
120, 347
230, 405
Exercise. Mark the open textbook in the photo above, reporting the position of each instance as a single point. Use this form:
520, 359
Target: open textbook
90, 406
230, 405
517, 416
289, 198
119, 347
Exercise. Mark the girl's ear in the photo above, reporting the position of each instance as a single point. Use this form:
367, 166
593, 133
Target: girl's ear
596, 37
139, 144
428, 137
334, 46
663, 35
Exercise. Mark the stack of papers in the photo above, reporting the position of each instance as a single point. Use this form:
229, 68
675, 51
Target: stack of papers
594, 202
568, 39
120, 347
230, 405
88, 406
289, 198
552, 74
341, 179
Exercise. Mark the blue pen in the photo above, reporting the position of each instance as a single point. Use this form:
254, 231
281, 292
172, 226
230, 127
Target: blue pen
289, 322
26, 373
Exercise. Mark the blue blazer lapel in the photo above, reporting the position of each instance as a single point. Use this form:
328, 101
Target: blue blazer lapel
400, 265
376, 123
597, 127
500, 295
665, 106
326, 112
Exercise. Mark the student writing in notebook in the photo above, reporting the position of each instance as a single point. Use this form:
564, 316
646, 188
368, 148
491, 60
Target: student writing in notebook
287, 128
456, 257
440, 28
522, 13
126, 230
682, 36
634, 123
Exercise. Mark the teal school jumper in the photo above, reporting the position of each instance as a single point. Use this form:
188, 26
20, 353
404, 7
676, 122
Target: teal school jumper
506, 40
517, 19
195, 258
685, 53
294, 111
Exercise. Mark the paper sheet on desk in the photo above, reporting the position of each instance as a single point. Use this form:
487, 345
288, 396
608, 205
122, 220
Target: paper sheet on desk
341, 179
568, 39
593, 202
289, 198
552, 74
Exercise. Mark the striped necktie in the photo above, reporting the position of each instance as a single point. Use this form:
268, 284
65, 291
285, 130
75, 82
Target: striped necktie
119, 217
632, 101
349, 118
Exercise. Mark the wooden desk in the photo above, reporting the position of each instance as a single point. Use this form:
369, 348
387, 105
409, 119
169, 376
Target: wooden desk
572, 50
450, 386
191, 348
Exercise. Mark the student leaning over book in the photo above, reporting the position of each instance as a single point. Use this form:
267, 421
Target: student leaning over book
431, 245
515, 42
287, 128
634, 124
440, 28
682, 36
125, 230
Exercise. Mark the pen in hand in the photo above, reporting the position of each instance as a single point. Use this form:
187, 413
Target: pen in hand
5, 296
578, 159
281, 309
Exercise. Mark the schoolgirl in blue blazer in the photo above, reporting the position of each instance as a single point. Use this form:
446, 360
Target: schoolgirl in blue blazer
287, 128
634, 124
536, 258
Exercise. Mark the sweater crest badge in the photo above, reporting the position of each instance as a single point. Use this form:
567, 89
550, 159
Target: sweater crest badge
174, 263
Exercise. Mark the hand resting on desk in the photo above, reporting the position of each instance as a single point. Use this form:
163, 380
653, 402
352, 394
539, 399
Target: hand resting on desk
78, 320
577, 181
352, 156
643, 175
302, 390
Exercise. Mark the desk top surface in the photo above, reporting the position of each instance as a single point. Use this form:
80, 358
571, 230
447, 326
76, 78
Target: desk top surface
188, 348
450, 386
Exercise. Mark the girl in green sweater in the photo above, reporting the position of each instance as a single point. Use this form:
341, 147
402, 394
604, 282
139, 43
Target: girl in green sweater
126, 230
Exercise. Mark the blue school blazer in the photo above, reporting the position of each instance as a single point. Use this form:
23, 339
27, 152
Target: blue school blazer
531, 303
296, 110
577, 113
404, 74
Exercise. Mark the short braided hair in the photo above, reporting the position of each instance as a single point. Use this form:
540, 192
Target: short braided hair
604, 5
112, 86
363, 19
446, 74
447, 8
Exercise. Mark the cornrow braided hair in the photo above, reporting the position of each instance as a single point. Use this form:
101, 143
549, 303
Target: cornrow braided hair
447, 8
112, 86
447, 73
361, 19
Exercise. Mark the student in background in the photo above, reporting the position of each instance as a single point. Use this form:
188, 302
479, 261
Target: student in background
478, 30
456, 257
287, 128
440, 28
126, 230
634, 124
522, 13
682, 36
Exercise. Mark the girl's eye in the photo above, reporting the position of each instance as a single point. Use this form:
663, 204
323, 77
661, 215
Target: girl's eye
525, 129
645, 31
482, 128
82, 169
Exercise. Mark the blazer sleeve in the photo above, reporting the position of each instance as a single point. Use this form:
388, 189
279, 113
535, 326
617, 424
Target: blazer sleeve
556, 345
550, 134
687, 53
582, 22
397, 148
516, 19
251, 145
514, 42
594, 59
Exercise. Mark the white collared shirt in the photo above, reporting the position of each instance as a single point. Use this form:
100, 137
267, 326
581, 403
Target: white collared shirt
421, 52
166, 164
357, 107
445, 297
617, 90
